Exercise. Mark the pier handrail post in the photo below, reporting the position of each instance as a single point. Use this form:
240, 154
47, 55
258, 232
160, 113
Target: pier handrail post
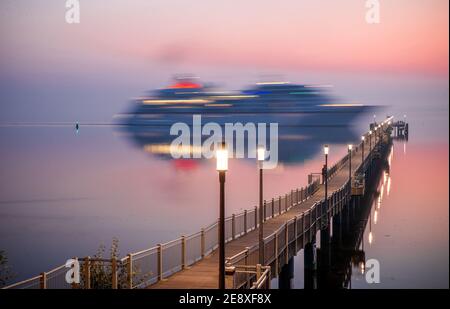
202, 242
183, 252
286, 202
258, 271
279, 205
264, 211
160, 262
296, 198
245, 221
233, 226
87, 272
43, 281
273, 207
130, 267
114, 272
256, 217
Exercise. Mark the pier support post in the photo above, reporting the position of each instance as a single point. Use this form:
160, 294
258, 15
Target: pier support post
286, 275
323, 257
309, 265
114, 273
87, 273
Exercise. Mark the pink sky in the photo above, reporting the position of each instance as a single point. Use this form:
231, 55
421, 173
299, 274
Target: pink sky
301, 35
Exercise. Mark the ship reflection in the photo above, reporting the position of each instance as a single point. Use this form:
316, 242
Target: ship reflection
296, 144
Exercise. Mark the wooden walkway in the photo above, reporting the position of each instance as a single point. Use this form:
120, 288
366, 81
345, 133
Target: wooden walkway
204, 274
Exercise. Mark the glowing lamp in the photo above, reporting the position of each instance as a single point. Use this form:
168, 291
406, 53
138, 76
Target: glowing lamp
261, 153
222, 158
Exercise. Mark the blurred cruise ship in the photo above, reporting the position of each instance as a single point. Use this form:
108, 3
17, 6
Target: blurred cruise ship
285, 103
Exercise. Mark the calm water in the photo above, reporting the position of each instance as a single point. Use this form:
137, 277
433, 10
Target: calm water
64, 193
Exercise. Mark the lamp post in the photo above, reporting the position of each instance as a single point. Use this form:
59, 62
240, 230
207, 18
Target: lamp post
370, 141
376, 135
326, 149
261, 154
363, 138
222, 167
350, 147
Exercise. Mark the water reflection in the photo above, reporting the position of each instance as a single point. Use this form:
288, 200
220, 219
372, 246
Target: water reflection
156, 140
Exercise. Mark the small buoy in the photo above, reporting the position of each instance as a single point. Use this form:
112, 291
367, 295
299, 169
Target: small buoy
77, 126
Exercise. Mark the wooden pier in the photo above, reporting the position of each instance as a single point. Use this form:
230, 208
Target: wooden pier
291, 231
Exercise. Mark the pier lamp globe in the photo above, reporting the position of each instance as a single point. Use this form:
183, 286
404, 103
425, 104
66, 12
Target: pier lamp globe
260, 156
222, 158
261, 153
222, 167
326, 149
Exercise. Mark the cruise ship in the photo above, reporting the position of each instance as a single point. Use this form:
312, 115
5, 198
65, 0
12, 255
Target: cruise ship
285, 103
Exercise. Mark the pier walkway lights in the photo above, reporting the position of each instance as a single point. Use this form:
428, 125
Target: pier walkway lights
261, 155
222, 167
326, 150
350, 147
370, 141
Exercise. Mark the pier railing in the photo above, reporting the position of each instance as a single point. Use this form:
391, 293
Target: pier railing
250, 276
287, 240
